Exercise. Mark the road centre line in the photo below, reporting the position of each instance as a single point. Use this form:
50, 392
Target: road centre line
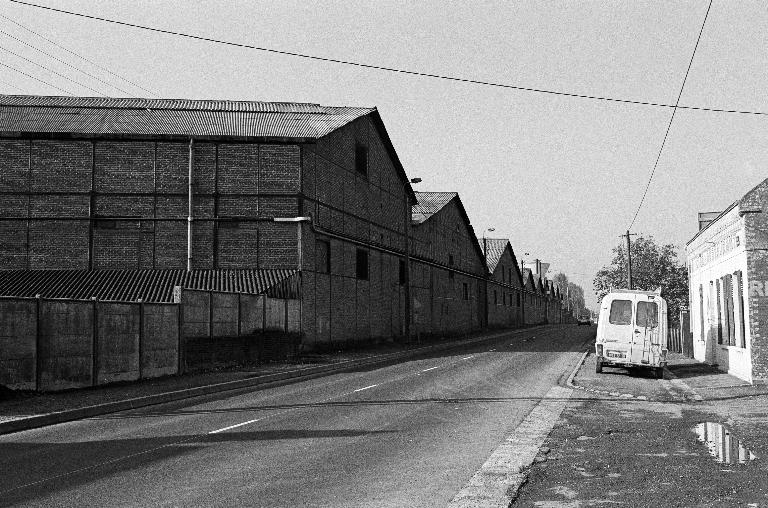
366, 388
237, 425
187, 439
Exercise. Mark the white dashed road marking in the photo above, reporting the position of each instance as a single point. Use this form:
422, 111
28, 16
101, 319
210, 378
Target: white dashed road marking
431, 368
235, 426
468, 357
366, 388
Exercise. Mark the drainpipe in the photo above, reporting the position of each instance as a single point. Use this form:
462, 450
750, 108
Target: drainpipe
189, 215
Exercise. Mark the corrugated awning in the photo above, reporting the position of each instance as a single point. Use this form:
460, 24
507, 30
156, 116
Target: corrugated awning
145, 285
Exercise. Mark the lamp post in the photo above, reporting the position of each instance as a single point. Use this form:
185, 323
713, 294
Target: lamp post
408, 221
487, 274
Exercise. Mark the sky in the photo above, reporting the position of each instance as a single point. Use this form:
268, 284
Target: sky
561, 177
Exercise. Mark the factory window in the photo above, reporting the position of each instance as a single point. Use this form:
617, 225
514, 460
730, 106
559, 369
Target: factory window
466, 291
518, 299
105, 224
401, 272
361, 158
323, 256
451, 274
450, 259
361, 264
495, 297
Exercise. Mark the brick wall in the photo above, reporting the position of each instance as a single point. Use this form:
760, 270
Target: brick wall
369, 209
504, 295
756, 233
134, 194
444, 305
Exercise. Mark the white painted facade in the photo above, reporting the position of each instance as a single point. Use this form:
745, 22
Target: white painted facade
719, 294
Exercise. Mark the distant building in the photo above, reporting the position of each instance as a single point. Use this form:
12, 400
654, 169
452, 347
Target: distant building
505, 283
447, 267
728, 269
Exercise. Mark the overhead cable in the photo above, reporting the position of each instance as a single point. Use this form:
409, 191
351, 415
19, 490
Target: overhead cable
65, 62
37, 79
150, 92
52, 71
671, 118
388, 69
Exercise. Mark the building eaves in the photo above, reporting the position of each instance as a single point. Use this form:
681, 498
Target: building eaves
699, 232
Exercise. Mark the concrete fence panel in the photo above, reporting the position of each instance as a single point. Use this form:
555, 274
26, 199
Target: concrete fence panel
18, 336
118, 328
274, 314
293, 315
197, 313
160, 340
66, 333
251, 314
225, 314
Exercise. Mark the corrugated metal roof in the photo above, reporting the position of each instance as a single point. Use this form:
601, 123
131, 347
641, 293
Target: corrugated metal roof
428, 204
133, 285
171, 117
494, 249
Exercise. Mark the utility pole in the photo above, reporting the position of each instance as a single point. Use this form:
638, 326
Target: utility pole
629, 259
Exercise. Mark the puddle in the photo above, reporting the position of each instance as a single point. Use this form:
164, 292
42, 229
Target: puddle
722, 445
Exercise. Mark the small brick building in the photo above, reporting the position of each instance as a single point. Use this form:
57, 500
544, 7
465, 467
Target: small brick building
447, 267
728, 269
505, 294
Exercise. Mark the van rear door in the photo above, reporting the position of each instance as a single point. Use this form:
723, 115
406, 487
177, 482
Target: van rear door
647, 337
619, 329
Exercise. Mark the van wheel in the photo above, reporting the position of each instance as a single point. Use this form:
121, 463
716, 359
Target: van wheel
599, 366
659, 372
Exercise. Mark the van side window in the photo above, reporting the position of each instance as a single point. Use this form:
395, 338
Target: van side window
621, 312
647, 315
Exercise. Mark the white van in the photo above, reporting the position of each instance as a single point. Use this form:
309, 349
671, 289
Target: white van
632, 331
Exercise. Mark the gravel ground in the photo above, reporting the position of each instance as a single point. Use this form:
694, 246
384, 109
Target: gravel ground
608, 451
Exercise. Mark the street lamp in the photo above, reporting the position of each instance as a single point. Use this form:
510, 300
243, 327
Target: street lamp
408, 225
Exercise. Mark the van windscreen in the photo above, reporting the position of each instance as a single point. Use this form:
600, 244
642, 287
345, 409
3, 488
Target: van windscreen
621, 312
647, 314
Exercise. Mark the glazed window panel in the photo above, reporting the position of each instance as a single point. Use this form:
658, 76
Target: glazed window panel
647, 314
621, 312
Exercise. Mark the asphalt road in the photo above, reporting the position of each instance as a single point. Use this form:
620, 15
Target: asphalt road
409, 434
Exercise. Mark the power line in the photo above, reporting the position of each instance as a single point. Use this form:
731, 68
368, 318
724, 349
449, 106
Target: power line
52, 71
37, 79
388, 69
671, 118
64, 62
150, 92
